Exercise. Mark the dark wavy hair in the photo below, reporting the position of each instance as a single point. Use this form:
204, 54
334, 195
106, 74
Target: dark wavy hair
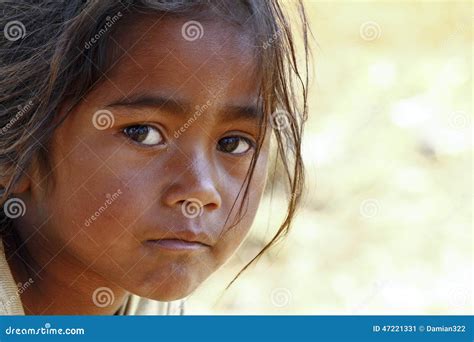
46, 56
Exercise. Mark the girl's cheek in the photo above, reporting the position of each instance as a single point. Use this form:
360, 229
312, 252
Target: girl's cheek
234, 236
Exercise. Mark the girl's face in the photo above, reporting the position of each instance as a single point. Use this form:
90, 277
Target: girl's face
148, 166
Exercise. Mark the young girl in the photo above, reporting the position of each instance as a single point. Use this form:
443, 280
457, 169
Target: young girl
135, 138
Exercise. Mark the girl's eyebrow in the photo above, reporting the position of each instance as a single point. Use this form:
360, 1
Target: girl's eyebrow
164, 103
184, 108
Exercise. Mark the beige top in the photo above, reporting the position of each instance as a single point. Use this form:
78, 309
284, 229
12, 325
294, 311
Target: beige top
10, 302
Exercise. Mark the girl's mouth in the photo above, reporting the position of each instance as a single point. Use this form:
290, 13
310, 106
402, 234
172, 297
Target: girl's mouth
176, 245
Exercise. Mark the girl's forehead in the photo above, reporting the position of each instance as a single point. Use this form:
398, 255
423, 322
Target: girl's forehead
161, 56
184, 38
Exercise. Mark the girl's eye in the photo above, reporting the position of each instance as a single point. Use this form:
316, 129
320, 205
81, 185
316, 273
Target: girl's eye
144, 134
234, 145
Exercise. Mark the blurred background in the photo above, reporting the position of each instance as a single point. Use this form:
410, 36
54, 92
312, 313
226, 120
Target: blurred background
386, 224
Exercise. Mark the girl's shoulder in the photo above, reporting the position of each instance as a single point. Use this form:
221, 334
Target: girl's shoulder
10, 302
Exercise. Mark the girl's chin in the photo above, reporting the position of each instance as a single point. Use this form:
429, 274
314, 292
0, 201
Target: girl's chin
164, 293
165, 290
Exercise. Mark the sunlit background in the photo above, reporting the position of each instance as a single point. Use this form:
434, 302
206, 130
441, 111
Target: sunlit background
386, 226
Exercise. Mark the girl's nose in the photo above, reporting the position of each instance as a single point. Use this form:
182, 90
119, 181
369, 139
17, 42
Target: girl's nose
194, 187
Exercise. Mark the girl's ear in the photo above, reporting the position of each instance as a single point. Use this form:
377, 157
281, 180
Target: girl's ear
21, 185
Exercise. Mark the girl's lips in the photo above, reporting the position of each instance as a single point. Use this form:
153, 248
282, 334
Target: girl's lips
176, 245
